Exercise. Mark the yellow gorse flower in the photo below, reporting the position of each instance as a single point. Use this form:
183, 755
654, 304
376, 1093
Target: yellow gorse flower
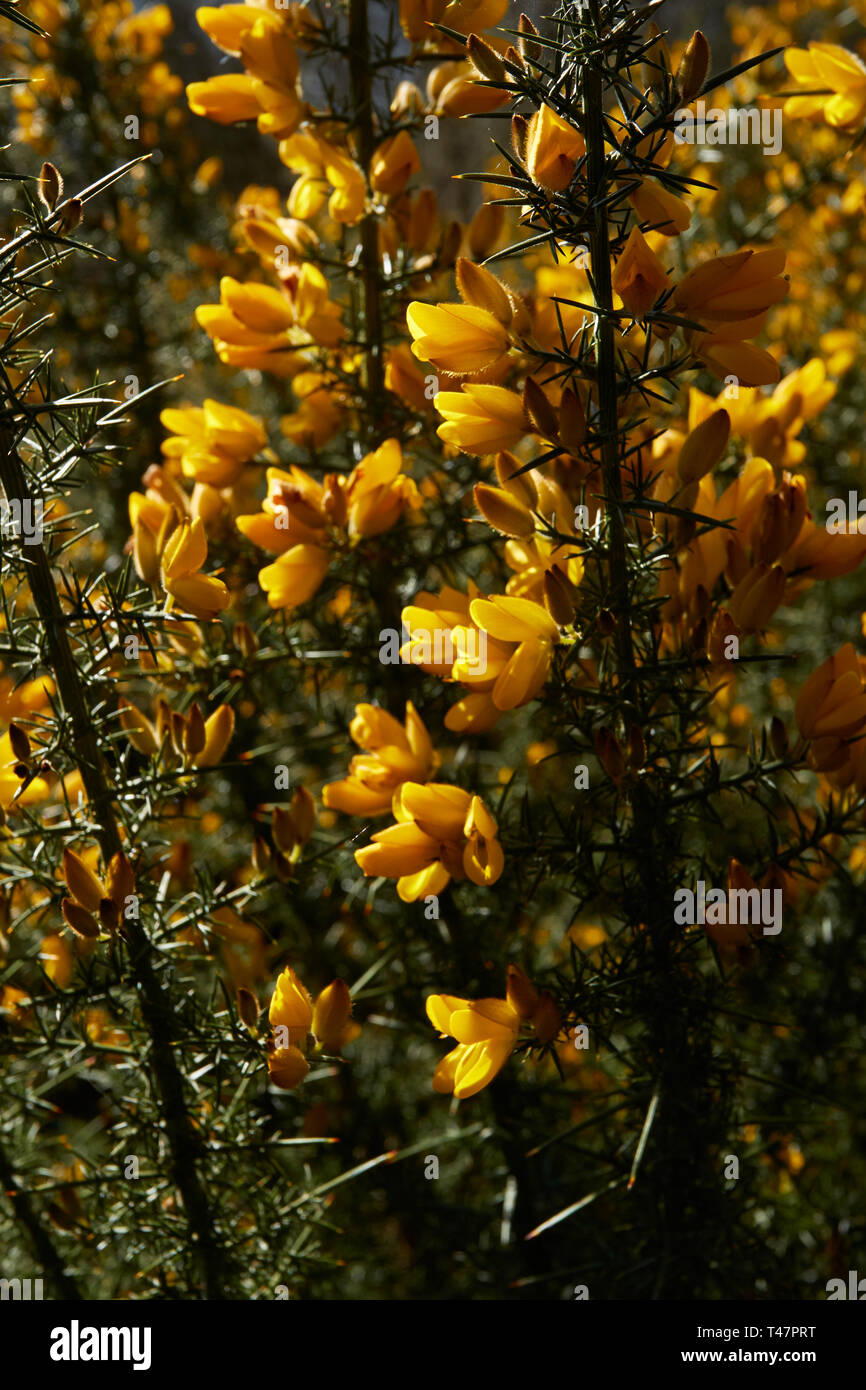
267, 90
500, 647
487, 1032
184, 555
823, 66
213, 441
296, 1019
323, 166
481, 419
273, 329
473, 337
731, 296
442, 832
832, 703
392, 754
553, 148
302, 520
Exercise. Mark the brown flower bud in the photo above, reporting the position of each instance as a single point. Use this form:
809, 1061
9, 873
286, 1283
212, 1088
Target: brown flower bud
19, 742
78, 919
541, 414
558, 598
528, 34
572, 421
704, 447
485, 59
693, 68
49, 186
248, 1007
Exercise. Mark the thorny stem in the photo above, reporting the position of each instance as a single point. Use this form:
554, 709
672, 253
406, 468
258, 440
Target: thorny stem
156, 1007
360, 77
599, 247
651, 847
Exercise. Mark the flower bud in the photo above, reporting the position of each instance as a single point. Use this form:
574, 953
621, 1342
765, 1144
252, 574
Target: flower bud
248, 1007
504, 512
478, 287
542, 415
521, 992
245, 640
528, 34
78, 919
407, 101
261, 855
704, 447
287, 1067
609, 753
558, 598
194, 733
19, 743
82, 883
119, 879
485, 230
49, 185
693, 68
572, 421
70, 216
331, 1013
547, 1019
485, 59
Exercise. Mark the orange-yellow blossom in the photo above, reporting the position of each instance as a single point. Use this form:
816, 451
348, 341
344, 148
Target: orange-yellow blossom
553, 149
481, 419
826, 66
260, 326
295, 1018
475, 336
393, 164
500, 647
486, 1032
301, 518
327, 173
267, 90
731, 297
393, 753
832, 703
184, 554
442, 832
639, 277
212, 441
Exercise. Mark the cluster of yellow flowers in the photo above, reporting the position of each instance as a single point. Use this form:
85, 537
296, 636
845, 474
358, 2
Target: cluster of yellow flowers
492, 363
303, 521
295, 1018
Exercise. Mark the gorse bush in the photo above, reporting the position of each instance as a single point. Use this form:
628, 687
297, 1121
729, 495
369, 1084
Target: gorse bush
433, 841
